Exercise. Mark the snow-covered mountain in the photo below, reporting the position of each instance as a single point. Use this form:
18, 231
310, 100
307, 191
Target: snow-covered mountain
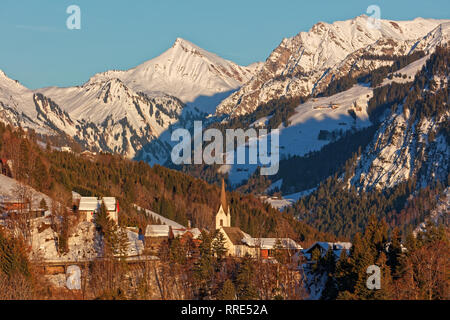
127, 111
185, 71
133, 112
402, 150
20, 106
114, 118
306, 63
404, 145
411, 142
302, 134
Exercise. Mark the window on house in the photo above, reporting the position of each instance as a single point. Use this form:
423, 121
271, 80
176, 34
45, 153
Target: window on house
221, 222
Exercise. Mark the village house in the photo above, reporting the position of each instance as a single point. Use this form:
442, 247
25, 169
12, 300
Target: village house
157, 235
323, 247
237, 242
88, 206
8, 207
268, 246
11, 206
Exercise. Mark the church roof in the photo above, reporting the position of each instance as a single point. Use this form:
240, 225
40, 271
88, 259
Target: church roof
235, 234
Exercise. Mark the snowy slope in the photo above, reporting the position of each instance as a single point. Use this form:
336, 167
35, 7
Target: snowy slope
113, 117
287, 200
9, 187
401, 150
438, 214
407, 146
127, 111
302, 134
163, 220
84, 243
20, 106
308, 61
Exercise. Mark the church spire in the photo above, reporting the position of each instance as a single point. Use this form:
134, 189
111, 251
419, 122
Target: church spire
223, 216
223, 198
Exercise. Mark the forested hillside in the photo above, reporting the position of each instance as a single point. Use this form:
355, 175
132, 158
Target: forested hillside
343, 203
172, 194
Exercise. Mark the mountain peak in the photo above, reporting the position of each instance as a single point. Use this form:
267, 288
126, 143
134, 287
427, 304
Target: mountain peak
5, 79
180, 42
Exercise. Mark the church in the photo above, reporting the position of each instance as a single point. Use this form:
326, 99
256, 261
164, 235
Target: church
238, 243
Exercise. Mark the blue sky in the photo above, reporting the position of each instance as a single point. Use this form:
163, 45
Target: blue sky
38, 50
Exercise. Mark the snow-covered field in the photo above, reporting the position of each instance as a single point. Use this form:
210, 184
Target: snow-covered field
287, 200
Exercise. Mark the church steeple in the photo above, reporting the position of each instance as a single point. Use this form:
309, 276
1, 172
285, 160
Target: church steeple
223, 216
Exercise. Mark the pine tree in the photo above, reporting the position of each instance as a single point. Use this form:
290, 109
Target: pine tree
176, 252
218, 245
245, 288
395, 252
279, 253
228, 291
204, 266
345, 278
315, 257
115, 240
386, 291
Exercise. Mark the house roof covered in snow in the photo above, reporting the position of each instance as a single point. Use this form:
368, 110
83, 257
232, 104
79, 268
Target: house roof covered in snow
195, 232
326, 245
93, 204
110, 203
270, 243
178, 232
88, 204
157, 230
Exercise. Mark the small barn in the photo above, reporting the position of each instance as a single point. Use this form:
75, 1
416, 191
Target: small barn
89, 206
157, 235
